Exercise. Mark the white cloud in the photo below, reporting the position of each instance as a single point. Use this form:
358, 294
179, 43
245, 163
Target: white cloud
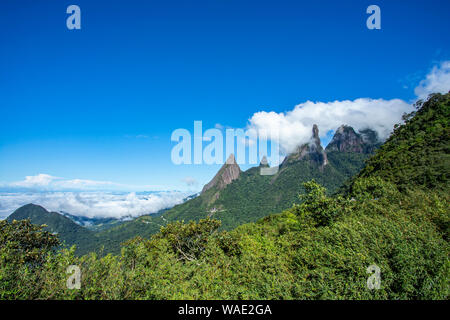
89, 198
82, 184
295, 127
83, 197
93, 204
39, 180
137, 136
47, 182
437, 81
44, 182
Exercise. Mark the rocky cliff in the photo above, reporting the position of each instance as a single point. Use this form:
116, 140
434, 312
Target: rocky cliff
346, 139
230, 171
312, 151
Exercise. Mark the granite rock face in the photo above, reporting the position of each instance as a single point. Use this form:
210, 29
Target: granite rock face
346, 139
312, 151
229, 172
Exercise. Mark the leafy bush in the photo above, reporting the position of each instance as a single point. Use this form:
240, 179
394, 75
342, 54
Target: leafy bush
188, 240
323, 209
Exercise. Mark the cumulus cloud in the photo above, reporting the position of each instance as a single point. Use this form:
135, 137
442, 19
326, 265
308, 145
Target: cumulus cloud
39, 180
295, 127
93, 204
437, 81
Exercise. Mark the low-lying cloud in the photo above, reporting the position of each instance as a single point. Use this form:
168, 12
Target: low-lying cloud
87, 198
93, 204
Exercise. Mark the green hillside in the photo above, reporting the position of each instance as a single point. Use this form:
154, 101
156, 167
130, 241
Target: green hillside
418, 153
69, 233
246, 199
253, 196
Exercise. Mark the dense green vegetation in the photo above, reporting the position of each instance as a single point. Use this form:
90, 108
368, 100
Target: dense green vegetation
394, 214
251, 197
101, 238
69, 233
418, 153
254, 196
247, 199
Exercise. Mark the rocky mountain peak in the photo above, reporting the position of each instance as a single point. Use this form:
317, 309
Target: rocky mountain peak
346, 139
312, 151
231, 159
229, 172
315, 131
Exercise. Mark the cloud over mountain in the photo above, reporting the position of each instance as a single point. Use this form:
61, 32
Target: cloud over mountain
294, 127
88, 198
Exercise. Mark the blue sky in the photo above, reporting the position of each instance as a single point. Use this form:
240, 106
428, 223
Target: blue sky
101, 103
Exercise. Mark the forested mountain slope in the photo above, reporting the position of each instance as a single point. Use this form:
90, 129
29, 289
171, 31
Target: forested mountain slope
252, 196
68, 231
235, 197
418, 153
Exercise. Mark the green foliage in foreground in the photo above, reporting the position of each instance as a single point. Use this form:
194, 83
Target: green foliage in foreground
319, 249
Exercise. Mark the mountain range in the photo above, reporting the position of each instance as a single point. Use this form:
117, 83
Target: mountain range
233, 196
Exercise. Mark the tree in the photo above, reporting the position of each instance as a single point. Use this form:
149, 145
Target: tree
188, 240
